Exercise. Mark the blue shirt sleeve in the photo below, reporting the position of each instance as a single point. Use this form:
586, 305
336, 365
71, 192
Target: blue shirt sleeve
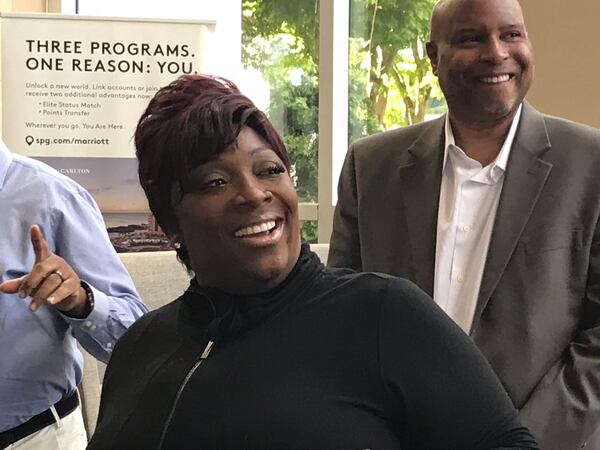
40, 362
80, 238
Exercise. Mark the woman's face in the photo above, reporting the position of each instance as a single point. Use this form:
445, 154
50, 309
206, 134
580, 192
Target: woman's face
239, 218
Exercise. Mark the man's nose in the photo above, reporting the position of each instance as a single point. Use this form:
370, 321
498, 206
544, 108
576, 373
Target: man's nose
495, 50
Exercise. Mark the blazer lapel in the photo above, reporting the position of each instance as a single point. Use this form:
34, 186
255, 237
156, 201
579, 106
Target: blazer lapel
525, 176
420, 178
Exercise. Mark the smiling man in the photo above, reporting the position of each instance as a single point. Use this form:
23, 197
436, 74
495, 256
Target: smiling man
495, 210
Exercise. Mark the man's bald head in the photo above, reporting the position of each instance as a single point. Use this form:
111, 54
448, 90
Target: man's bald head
444, 12
437, 18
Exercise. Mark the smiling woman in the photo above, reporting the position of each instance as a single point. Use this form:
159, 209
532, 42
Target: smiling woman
217, 181
268, 349
239, 218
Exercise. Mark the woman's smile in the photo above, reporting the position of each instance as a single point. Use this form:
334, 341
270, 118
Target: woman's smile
261, 234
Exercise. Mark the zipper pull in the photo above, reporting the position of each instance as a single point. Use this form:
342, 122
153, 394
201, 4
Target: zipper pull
207, 350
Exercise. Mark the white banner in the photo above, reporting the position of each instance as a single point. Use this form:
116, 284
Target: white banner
73, 89
75, 86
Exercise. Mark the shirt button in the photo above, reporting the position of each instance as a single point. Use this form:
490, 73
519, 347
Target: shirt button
88, 323
466, 228
460, 278
109, 345
93, 327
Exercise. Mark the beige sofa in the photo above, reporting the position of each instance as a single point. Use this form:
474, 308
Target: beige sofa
159, 278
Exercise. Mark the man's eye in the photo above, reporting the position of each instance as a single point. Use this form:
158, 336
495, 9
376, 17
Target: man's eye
513, 35
468, 39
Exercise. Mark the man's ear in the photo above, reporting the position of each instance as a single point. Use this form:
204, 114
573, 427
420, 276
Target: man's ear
432, 52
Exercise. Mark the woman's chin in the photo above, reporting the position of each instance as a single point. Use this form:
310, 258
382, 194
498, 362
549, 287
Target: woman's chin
268, 276
262, 275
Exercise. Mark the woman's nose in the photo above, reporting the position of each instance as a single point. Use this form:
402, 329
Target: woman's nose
252, 193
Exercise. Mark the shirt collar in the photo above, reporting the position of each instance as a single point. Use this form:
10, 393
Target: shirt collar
5, 160
502, 159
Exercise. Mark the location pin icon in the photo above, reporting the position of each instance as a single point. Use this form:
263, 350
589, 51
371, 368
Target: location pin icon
29, 140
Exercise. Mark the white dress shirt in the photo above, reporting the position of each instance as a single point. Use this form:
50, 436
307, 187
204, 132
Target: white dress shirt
469, 196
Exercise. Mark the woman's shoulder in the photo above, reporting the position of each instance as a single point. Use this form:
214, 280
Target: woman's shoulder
382, 284
373, 290
399, 302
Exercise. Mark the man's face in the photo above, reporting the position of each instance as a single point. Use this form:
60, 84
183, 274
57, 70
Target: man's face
483, 58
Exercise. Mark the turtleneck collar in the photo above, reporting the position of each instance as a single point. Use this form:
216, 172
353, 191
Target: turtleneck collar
236, 314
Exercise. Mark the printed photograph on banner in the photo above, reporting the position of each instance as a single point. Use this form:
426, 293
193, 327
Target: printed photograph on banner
114, 185
73, 89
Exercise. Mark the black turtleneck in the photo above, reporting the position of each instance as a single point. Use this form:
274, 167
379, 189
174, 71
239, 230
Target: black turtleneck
329, 359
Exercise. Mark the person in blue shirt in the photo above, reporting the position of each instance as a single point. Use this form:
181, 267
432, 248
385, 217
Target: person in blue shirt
61, 282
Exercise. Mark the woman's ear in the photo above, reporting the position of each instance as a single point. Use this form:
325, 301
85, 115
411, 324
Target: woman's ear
178, 244
176, 241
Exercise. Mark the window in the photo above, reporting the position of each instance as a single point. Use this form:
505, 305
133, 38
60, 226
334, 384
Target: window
391, 83
280, 44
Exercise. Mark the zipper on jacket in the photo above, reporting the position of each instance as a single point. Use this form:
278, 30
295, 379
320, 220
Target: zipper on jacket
203, 357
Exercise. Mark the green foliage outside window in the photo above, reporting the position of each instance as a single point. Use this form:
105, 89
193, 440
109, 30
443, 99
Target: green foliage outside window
390, 79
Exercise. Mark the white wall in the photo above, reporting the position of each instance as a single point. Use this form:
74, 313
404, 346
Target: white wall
565, 38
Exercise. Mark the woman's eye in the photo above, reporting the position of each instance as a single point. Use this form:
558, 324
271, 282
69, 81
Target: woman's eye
214, 183
274, 170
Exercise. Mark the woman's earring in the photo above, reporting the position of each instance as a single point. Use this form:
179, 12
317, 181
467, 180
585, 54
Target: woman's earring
177, 245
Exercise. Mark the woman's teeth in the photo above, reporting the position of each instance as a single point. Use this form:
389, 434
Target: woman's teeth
256, 229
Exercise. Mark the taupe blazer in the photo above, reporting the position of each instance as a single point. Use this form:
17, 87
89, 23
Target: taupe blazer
537, 319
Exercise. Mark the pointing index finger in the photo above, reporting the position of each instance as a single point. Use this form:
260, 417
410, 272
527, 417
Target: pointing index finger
40, 246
